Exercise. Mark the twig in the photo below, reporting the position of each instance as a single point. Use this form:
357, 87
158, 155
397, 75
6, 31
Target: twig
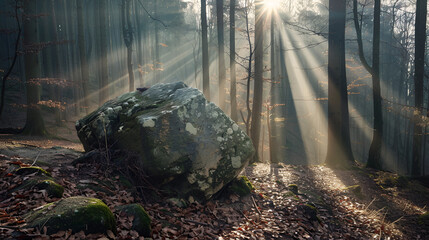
370, 204
151, 17
242, 213
35, 160
256, 206
9, 227
397, 220
196, 222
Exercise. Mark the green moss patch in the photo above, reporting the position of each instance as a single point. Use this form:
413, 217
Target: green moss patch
355, 189
293, 188
391, 180
31, 170
90, 215
241, 186
52, 188
424, 219
141, 222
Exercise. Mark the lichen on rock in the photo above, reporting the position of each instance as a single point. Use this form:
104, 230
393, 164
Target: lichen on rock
182, 142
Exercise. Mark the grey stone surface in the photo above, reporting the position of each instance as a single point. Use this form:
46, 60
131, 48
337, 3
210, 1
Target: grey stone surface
182, 142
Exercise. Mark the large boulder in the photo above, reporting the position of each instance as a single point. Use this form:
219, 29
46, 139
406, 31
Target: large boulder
182, 142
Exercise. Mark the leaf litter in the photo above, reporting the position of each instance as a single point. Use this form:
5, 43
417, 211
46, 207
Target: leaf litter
322, 209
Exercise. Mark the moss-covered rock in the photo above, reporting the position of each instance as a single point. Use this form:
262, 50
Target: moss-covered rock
43, 182
31, 170
310, 210
424, 219
90, 215
52, 188
141, 222
293, 188
241, 186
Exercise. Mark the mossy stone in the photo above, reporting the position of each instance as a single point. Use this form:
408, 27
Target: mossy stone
242, 186
424, 219
293, 188
310, 210
141, 222
90, 215
178, 202
52, 188
31, 170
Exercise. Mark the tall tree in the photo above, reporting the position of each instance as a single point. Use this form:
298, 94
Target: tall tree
127, 31
206, 78
339, 148
270, 120
221, 53
140, 64
255, 129
157, 63
84, 70
374, 156
15, 57
34, 124
104, 78
233, 78
419, 64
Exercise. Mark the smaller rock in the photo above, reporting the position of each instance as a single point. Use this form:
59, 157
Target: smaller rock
177, 202
31, 170
241, 186
52, 188
293, 188
424, 219
90, 215
42, 182
310, 210
141, 222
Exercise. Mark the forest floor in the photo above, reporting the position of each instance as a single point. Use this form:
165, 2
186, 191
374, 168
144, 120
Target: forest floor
330, 204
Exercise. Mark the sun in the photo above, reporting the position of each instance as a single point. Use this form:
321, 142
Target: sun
271, 4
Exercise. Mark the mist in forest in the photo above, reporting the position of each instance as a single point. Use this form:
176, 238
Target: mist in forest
265, 63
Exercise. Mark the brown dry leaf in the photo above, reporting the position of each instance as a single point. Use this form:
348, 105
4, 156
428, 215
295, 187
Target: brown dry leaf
58, 234
111, 234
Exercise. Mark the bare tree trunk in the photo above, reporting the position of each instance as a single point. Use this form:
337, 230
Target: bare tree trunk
157, 64
139, 44
15, 56
233, 80
255, 129
374, 157
221, 54
270, 120
419, 64
128, 39
104, 79
206, 77
34, 124
339, 148
82, 54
